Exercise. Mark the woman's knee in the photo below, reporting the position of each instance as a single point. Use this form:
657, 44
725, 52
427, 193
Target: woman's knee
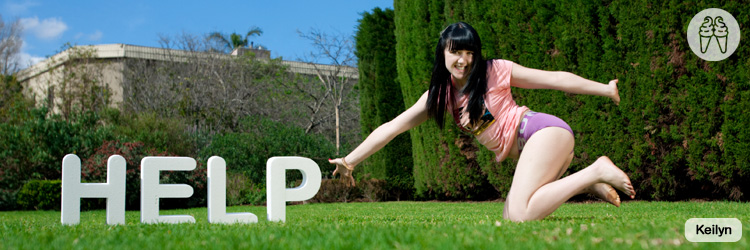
516, 217
516, 214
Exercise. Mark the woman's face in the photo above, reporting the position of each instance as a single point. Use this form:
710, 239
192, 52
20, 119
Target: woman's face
458, 63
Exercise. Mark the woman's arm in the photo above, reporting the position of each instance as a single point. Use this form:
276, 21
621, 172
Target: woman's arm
529, 78
415, 115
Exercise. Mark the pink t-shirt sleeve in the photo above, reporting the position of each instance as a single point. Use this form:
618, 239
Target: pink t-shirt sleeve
498, 73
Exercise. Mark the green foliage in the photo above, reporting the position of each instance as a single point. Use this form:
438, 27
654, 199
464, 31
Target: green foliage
679, 131
35, 140
13, 105
240, 190
381, 100
34, 148
368, 190
441, 170
40, 195
34, 143
94, 170
161, 133
8, 200
234, 40
259, 139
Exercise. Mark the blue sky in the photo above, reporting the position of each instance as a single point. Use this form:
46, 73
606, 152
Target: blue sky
48, 25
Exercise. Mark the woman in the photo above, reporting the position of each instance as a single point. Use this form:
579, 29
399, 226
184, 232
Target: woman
477, 94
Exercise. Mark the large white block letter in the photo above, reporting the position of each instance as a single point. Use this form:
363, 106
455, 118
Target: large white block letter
151, 190
217, 195
278, 195
73, 190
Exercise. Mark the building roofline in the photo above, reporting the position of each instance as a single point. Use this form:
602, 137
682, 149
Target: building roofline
115, 51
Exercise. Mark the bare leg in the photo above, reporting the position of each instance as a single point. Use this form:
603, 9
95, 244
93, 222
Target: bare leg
536, 192
602, 191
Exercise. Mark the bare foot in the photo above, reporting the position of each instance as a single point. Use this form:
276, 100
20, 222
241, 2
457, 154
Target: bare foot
612, 175
604, 192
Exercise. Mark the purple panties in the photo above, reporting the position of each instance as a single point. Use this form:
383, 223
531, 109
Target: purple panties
535, 121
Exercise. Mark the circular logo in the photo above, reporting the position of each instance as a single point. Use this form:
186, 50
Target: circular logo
713, 34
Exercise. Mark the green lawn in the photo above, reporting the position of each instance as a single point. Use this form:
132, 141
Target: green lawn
411, 225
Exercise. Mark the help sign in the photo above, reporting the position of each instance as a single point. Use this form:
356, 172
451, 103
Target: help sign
151, 190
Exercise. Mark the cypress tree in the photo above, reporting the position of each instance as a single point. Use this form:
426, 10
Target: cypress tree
381, 100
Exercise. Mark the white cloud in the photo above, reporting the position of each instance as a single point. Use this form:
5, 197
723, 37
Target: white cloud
25, 60
47, 29
18, 8
96, 36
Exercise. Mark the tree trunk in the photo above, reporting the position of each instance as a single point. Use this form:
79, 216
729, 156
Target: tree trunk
338, 136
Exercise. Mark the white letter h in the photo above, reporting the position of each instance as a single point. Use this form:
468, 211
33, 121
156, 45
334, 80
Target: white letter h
73, 190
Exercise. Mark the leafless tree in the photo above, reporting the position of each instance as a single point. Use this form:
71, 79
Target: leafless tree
336, 80
10, 46
213, 90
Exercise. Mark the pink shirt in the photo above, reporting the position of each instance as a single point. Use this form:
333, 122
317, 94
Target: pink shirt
495, 130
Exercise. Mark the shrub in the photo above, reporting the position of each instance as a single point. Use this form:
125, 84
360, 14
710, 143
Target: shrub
40, 195
163, 134
255, 195
8, 200
33, 147
94, 169
375, 190
14, 106
334, 190
247, 151
237, 187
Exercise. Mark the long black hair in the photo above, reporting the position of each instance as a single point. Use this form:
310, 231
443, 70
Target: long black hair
457, 36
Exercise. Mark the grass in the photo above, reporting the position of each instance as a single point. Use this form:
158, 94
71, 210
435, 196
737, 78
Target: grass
389, 225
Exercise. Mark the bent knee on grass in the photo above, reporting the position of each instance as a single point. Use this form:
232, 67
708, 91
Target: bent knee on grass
521, 216
544, 159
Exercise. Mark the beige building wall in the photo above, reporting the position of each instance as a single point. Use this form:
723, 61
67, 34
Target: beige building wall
48, 84
43, 80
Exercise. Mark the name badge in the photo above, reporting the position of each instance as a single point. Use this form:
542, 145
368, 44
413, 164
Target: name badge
713, 230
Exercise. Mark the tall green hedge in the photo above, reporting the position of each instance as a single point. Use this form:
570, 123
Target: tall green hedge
441, 168
381, 100
679, 132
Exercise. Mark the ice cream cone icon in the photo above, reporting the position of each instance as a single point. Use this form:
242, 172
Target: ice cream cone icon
713, 34
706, 33
721, 32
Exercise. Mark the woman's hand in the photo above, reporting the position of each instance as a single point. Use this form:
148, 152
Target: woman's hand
615, 94
344, 170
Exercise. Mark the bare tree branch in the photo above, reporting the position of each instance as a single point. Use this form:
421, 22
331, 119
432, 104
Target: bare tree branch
10, 46
335, 79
